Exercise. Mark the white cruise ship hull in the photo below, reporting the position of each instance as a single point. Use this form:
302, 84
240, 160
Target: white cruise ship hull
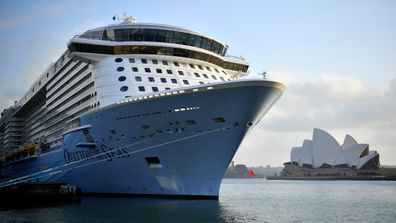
174, 144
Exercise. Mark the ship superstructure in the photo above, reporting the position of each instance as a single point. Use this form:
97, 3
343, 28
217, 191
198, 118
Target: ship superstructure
154, 109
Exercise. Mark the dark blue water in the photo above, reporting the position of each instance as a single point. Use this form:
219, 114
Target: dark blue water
242, 200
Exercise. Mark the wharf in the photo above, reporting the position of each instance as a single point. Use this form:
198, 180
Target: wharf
39, 193
377, 178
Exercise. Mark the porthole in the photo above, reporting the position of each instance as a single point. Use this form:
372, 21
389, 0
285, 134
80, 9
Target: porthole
124, 88
141, 88
119, 69
155, 89
218, 119
122, 78
118, 60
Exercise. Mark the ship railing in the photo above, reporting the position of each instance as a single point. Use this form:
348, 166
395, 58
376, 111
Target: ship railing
235, 57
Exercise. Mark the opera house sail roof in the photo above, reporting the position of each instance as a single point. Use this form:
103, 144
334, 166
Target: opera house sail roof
324, 151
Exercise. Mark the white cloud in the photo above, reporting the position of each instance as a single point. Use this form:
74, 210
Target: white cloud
335, 103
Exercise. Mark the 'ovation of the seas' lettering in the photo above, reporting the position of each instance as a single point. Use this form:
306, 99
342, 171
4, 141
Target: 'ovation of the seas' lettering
110, 154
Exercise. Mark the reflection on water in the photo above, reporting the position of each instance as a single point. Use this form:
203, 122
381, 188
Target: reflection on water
252, 200
93, 209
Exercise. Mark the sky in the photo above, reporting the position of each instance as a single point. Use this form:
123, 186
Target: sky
337, 59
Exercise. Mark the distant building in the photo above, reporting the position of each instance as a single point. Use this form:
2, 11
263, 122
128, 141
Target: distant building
323, 156
240, 171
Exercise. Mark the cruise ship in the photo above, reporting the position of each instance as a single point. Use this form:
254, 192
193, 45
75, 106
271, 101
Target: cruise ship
135, 109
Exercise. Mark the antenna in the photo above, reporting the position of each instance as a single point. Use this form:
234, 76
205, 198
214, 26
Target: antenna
125, 18
115, 17
264, 74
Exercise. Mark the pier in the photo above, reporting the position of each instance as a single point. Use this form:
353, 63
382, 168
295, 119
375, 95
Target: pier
38, 193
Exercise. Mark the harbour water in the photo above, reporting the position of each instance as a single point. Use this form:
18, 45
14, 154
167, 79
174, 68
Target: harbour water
241, 200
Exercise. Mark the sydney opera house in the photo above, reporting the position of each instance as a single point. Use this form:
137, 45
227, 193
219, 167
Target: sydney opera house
323, 156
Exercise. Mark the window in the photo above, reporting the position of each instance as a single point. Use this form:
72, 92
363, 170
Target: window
174, 81
144, 60
192, 66
200, 67
224, 72
205, 76
120, 69
191, 122
165, 62
147, 70
118, 60
186, 82
201, 82
145, 126
163, 80
135, 69
151, 79
169, 71
124, 88
131, 60
155, 61
159, 71
141, 88
176, 64
138, 78
153, 162
218, 119
181, 72
214, 77
122, 78
208, 68
222, 78
167, 88
197, 74
155, 89
217, 71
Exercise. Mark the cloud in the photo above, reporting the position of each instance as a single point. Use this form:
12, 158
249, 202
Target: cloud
336, 103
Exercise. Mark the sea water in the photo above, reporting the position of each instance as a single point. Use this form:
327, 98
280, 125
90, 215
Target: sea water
241, 200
